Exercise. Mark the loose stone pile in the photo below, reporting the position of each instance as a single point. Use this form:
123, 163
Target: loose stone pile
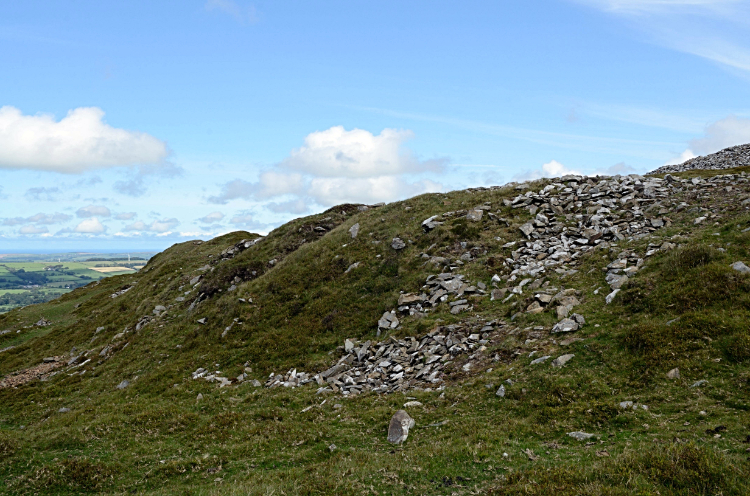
607, 209
395, 365
438, 289
736, 156
238, 248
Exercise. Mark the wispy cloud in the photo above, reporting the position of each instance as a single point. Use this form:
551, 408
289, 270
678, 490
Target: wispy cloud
652, 150
715, 30
244, 14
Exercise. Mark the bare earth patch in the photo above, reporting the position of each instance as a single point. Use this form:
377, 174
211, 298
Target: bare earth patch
24, 376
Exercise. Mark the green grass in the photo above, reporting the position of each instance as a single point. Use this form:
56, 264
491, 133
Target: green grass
684, 309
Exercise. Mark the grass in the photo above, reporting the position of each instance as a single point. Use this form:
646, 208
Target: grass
684, 309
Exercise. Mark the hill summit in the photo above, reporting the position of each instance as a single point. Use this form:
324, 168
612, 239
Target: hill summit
583, 335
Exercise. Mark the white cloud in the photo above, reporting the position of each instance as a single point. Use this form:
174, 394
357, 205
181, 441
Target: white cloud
90, 226
242, 14
552, 168
718, 135
39, 219
93, 211
660, 6
242, 219
335, 166
135, 183
269, 184
297, 206
333, 191
683, 157
157, 226
125, 216
721, 134
43, 194
79, 141
337, 152
211, 218
33, 230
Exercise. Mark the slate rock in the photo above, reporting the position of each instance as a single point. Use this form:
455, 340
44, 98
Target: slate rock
741, 267
611, 296
352, 267
63, 410
398, 429
561, 360
123, 384
527, 229
398, 244
500, 391
430, 224
581, 436
354, 230
540, 360
474, 215
565, 325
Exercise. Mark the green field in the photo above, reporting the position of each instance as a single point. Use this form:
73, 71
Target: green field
30, 282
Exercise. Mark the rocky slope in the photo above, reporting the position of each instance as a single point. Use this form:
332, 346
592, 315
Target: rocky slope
728, 158
515, 331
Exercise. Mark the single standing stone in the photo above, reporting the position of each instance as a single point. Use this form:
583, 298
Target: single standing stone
354, 230
398, 430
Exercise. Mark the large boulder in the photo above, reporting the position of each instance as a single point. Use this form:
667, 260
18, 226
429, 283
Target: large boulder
398, 429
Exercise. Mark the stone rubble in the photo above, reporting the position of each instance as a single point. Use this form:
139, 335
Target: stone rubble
736, 156
238, 248
395, 365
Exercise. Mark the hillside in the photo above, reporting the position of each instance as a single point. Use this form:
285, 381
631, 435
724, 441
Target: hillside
577, 335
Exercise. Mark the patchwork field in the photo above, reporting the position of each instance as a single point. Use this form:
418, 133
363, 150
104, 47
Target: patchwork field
30, 282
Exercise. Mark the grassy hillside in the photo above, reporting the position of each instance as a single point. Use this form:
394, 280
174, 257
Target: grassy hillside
118, 410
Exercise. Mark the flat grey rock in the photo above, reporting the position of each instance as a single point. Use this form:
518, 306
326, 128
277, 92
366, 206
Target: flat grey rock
561, 360
565, 325
123, 384
540, 360
741, 267
581, 436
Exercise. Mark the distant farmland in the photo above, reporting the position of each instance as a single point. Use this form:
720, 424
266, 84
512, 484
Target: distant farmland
27, 283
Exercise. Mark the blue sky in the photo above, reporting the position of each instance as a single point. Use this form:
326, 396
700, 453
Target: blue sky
140, 124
